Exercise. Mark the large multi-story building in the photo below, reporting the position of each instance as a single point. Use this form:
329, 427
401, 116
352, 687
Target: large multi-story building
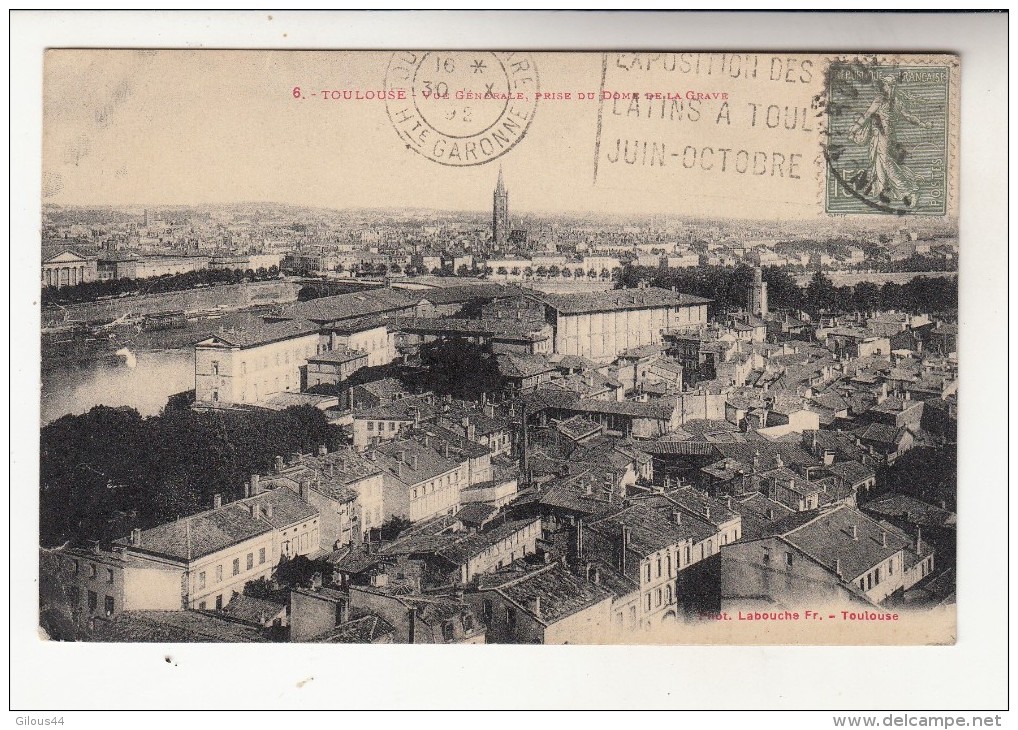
66, 267
251, 362
601, 325
418, 481
222, 549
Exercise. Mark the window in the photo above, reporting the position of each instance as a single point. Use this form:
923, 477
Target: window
243, 368
250, 561
468, 622
74, 594
876, 577
688, 555
659, 567
392, 425
486, 610
76, 567
646, 603
869, 581
93, 601
448, 632
788, 559
510, 618
632, 615
669, 558
93, 570
219, 602
862, 584
890, 566
215, 367
261, 555
657, 598
371, 425
201, 606
219, 574
108, 605
236, 566
109, 575
646, 573
668, 593
201, 580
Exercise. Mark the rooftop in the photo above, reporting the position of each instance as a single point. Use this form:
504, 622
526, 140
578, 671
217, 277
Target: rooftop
208, 532
847, 535
617, 299
174, 627
561, 593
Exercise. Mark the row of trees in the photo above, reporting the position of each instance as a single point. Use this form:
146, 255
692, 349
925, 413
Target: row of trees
91, 291
728, 287
110, 470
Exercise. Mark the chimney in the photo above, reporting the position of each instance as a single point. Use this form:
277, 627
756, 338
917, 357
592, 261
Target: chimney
623, 547
536, 605
413, 461
855, 532
136, 537
445, 449
706, 511
728, 502
427, 441
597, 575
322, 450
837, 567
217, 501
471, 432
883, 538
256, 511
95, 547
677, 516
770, 513
919, 540
278, 463
256, 485
268, 511
402, 457
547, 557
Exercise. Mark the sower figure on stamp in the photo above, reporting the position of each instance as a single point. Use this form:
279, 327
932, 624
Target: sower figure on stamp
889, 179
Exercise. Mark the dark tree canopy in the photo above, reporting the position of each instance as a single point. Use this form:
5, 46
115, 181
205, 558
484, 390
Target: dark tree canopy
109, 470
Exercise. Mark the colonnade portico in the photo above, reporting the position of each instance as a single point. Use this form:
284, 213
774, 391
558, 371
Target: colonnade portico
63, 275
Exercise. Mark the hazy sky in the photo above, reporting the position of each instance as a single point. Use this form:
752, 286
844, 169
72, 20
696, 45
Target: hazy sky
192, 127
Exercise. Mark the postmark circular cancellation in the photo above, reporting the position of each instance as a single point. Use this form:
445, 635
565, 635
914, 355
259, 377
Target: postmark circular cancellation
461, 108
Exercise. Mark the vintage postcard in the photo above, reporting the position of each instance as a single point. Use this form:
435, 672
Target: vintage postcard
486, 347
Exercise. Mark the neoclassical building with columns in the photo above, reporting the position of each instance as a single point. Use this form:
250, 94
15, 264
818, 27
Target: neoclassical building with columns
67, 268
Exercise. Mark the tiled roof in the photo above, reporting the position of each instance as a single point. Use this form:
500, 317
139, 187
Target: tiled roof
912, 510
209, 532
249, 609
617, 299
561, 593
490, 327
253, 331
475, 513
430, 463
635, 409
366, 629
852, 471
515, 365
174, 627
758, 513
348, 306
472, 545
828, 538
339, 355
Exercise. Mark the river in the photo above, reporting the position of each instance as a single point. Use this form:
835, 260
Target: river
141, 379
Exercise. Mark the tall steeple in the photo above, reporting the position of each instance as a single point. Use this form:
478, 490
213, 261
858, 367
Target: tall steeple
500, 213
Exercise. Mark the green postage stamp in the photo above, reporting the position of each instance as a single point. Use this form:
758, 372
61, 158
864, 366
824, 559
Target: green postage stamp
888, 139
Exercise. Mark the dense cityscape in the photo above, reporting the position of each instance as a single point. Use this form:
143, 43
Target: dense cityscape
454, 427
